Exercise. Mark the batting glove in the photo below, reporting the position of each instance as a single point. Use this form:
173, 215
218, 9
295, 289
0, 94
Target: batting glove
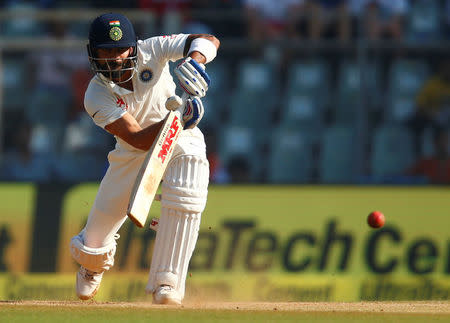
190, 108
193, 77
193, 112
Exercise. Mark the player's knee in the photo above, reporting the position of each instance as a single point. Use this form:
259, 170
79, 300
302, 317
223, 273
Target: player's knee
94, 259
185, 185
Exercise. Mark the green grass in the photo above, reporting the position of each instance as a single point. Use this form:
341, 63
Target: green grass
36, 314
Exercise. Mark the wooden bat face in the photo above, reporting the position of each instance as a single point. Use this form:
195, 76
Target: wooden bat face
153, 168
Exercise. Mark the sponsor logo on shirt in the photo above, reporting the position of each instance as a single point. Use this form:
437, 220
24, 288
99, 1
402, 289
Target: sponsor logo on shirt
121, 104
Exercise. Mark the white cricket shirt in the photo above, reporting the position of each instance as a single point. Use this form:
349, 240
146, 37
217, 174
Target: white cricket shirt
152, 84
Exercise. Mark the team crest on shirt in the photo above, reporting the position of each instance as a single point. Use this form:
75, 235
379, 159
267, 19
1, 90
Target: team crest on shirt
146, 75
115, 33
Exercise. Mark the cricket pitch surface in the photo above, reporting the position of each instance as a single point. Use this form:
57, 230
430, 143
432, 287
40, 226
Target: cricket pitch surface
92, 311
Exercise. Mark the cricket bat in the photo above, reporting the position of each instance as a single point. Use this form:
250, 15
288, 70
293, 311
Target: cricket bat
155, 164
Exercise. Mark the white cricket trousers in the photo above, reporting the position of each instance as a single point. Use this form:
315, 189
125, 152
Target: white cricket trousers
109, 210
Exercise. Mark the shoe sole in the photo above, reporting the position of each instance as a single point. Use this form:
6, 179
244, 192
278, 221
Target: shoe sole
87, 297
166, 301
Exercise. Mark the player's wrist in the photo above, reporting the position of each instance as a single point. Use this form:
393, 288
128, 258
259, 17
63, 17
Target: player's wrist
205, 47
198, 57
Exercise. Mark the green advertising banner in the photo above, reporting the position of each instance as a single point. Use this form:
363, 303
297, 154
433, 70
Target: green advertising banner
270, 287
296, 229
16, 226
264, 243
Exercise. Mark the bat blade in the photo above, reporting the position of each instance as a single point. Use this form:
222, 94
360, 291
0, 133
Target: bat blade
153, 168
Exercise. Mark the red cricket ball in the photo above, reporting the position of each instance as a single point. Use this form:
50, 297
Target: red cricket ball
376, 219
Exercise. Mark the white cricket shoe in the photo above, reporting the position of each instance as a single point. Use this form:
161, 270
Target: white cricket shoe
88, 283
165, 294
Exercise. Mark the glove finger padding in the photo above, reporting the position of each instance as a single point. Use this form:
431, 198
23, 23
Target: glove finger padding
193, 77
193, 112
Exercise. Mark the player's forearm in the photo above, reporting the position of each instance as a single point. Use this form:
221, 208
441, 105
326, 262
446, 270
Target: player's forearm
127, 129
144, 138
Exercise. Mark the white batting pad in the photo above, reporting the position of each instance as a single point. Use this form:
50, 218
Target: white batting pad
184, 192
94, 259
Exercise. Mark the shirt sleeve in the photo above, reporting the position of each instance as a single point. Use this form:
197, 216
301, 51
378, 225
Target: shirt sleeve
103, 109
168, 47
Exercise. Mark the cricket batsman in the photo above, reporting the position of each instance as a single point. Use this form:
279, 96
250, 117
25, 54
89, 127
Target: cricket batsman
126, 97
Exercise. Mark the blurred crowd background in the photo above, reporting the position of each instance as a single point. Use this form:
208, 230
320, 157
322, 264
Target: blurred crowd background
303, 91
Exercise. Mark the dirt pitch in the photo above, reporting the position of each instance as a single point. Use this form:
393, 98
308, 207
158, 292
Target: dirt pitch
421, 307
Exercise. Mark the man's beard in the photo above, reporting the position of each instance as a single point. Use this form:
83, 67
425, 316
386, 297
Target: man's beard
116, 71
116, 75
